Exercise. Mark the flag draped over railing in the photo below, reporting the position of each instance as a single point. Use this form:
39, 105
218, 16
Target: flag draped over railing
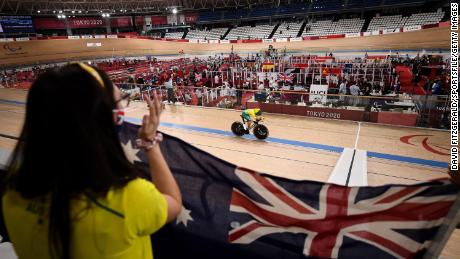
233, 212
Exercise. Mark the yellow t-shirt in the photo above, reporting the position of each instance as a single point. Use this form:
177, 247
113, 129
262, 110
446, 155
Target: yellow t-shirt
117, 226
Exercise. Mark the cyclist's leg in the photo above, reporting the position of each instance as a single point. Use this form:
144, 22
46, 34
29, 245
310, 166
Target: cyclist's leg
246, 121
249, 126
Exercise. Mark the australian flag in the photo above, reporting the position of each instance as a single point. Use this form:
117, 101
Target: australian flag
233, 212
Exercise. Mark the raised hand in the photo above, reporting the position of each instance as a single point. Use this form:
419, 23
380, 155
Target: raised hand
151, 121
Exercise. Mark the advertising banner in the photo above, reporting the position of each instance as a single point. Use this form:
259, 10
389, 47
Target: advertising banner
295, 39
352, 35
16, 24
412, 28
389, 31
23, 39
93, 44
6, 39
318, 93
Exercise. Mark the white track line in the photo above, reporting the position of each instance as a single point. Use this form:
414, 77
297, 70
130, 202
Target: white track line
357, 135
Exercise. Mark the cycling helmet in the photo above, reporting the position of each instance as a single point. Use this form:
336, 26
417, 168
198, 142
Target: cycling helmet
258, 112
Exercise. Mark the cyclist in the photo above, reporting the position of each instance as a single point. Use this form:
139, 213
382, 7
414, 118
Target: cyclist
250, 115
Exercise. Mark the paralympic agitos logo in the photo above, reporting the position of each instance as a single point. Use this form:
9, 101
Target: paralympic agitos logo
436, 149
11, 48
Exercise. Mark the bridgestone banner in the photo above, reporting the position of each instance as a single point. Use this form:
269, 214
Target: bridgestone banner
389, 31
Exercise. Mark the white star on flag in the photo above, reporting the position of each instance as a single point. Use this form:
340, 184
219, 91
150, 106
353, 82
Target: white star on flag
130, 152
184, 216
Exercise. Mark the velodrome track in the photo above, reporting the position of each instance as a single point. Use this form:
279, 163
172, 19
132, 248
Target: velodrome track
298, 147
42, 51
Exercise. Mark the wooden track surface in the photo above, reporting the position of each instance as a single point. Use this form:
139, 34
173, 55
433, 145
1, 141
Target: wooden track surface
279, 159
29, 52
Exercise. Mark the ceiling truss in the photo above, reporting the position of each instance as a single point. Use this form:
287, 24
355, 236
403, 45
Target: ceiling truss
43, 7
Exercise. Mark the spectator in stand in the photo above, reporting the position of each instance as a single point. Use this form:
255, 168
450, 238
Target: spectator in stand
382, 88
367, 91
188, 98
437, 88
261, 87
199, 96
239, 94
227, 88
216, 80
354, 90
428, 86
398, 87
343, 87
140, 80
170, 88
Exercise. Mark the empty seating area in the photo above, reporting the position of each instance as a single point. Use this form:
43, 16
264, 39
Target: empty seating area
249, 32
387, 22
324, 27
319, 28
288, 30
425, 18
348, 25
213, 34
328, 27
174, 35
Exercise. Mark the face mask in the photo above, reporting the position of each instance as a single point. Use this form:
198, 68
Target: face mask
119, 118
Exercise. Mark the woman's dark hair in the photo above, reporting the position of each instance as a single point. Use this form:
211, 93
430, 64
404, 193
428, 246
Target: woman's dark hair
68, 146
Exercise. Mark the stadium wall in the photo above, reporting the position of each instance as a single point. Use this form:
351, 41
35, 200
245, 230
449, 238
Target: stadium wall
25, 51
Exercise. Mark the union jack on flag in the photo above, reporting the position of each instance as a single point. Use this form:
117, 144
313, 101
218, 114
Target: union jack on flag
285, 78
341, 221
